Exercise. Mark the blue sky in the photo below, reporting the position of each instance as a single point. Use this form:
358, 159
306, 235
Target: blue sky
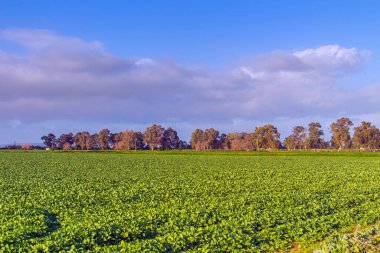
201, 32
231, 65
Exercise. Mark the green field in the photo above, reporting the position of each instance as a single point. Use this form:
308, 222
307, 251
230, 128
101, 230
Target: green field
171, 202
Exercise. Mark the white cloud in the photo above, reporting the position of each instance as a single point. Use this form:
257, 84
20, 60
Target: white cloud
69, 78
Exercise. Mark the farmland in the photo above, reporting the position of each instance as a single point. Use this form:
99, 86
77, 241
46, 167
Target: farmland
170, 202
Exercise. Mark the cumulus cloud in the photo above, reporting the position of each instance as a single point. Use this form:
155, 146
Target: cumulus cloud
62, 78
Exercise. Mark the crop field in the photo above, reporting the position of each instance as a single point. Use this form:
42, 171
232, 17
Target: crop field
172, 202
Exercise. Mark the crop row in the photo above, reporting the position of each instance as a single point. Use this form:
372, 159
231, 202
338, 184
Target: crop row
171, 203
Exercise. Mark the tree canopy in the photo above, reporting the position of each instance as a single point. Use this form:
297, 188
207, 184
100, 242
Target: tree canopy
366, 136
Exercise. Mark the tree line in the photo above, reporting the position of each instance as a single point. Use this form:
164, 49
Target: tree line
154, 137
366, 137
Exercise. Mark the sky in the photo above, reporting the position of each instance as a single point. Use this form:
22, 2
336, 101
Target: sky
68, 66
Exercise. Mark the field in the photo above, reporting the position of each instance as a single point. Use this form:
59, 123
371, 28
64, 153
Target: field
194, 202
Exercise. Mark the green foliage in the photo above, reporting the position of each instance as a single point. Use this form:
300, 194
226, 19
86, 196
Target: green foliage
181, 201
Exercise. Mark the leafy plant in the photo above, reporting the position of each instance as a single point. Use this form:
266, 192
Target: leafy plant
172, 202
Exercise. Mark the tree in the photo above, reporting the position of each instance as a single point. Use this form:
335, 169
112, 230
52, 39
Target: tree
67, 146
315, 139
300, 134
153, 136
93, 142
366, 136
170, 139
139, 140
115, 139
49, 140
208, 139
184, 145
104, 139
290, 142
341, 133
297, 140
211, 138
239, 141
198, 139
90, 142
82, 140
266, 137
131, 140
65, 140
222, 142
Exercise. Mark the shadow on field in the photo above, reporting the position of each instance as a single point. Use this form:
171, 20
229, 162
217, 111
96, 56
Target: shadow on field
52, 224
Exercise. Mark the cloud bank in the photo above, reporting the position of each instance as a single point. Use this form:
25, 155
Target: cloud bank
66, 78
